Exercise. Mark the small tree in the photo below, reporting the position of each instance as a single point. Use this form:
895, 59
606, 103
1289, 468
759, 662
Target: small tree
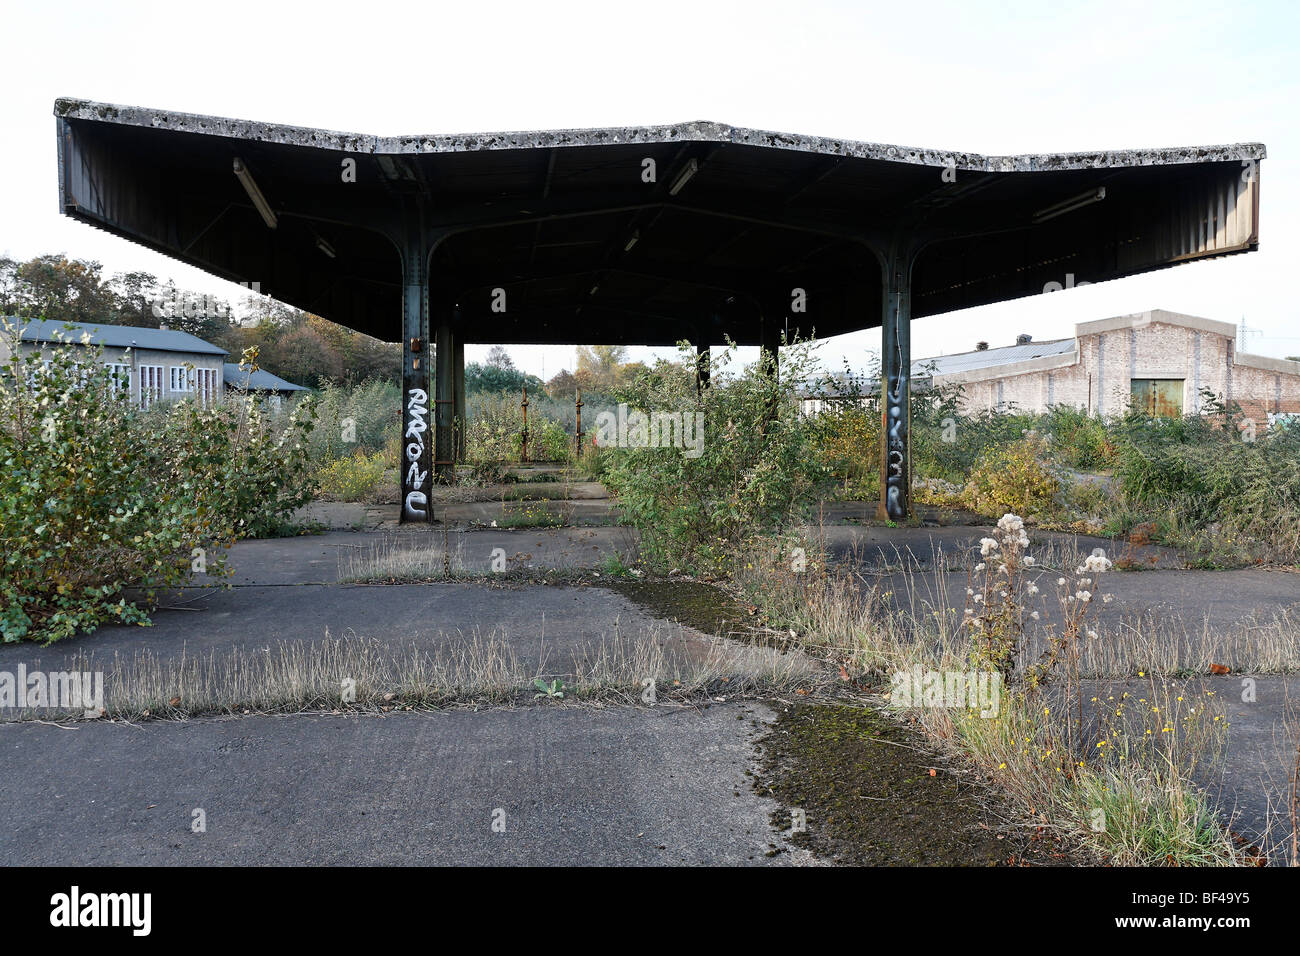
96, 496
753, 472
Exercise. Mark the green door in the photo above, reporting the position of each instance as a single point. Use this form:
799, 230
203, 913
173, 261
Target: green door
1158, 397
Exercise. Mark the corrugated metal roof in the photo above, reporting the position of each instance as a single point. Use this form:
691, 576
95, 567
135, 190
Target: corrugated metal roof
1006, 355
840, 385
114, 336
261, 380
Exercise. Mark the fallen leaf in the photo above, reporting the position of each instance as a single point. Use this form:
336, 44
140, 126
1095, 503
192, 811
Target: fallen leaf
174, 702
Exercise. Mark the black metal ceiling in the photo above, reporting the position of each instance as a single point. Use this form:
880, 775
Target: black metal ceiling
585, 249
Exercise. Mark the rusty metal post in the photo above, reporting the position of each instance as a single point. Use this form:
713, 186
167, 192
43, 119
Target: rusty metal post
896, 385
416, 444
444, 384
458, 409
524, 433
577, 433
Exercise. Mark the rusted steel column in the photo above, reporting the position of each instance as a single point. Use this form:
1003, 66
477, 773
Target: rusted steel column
524, 434
444, 443
577, 430
458, 409
896, 386
416, 437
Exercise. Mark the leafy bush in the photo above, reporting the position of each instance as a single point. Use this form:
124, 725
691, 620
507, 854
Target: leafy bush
755, 471
946, 444
1012, 478
96, 496
364, 420
492, 434
355, 478
847, 443
548, 441
1211, 490
1079, 440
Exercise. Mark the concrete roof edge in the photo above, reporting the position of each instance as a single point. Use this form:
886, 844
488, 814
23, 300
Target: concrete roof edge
1153, 316
697, 131
1267, 363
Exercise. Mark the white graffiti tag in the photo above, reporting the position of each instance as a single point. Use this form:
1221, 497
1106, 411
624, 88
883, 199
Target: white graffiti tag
417, 415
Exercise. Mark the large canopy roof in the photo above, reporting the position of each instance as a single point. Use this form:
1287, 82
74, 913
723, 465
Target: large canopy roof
590, 248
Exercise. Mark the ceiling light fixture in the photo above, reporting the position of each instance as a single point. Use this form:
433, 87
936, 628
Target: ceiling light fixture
684, 177
255, 194
1069, 205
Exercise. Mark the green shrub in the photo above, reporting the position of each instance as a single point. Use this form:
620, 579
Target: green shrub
1078, 440
365, 419
355, 478
755, 471
847, 442
96, 496
548, 441
1012, 478
1212, 490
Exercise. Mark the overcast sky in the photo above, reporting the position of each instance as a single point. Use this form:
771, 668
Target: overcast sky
992, 78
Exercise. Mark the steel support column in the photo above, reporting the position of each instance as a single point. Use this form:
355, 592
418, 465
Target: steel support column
416, 438
458, 371
896, 384
702, 359
444, 384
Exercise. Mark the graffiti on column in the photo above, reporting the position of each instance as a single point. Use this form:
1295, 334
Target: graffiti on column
896, 412
417, 423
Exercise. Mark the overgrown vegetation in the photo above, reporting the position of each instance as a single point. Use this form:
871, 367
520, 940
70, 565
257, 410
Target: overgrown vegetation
1210, 483
754, 469
96, 495
1107, 764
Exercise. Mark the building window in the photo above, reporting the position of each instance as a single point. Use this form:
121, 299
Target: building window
205, 384
1157, 397
120, 378
182, 379
151, 384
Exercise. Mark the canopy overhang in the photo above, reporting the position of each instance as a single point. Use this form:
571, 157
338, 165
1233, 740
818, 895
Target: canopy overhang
589, 247
640, 235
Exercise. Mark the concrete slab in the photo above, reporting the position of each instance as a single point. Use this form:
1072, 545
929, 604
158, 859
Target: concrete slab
325, 558
549, 628
576, 785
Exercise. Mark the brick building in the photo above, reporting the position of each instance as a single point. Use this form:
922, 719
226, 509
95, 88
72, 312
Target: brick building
1158, 359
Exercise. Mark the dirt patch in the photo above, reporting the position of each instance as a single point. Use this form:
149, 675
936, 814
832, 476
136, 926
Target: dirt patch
872, 794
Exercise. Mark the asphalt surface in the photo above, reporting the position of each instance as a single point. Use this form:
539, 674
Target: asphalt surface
542, 625
571, 785
577, 783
